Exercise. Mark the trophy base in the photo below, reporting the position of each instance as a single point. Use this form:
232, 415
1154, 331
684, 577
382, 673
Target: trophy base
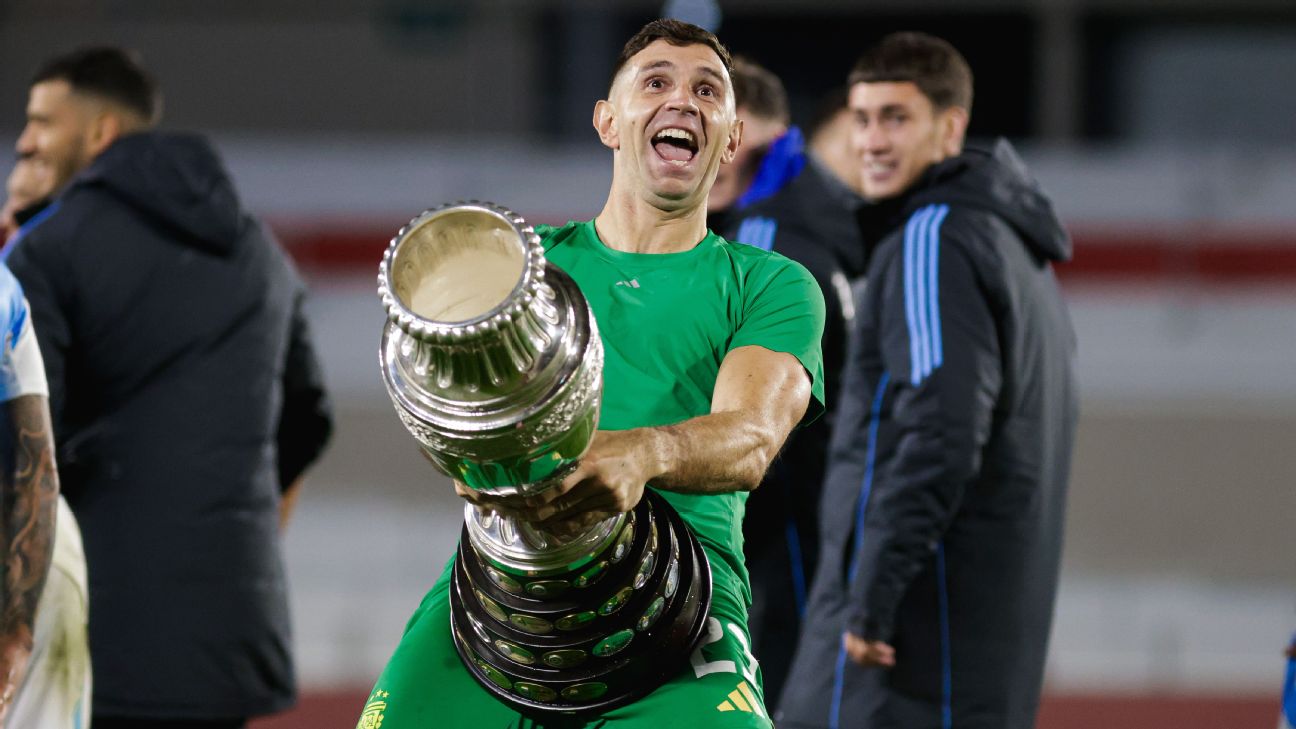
593, 639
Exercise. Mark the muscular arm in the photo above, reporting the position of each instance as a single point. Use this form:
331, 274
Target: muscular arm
760, 395
29, 492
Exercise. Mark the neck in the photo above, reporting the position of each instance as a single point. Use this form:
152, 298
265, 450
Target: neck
632, 225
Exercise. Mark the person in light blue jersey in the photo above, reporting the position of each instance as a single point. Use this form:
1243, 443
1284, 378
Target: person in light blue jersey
44, 653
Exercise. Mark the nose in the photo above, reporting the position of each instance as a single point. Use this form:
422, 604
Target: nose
873, 138
681, 100
26, 144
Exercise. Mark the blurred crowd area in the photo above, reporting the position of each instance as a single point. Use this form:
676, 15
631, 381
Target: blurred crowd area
1162, 130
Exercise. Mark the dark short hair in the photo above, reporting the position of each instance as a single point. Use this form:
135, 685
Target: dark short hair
110, 73
757, 89
830, 105
933, 65
676, 33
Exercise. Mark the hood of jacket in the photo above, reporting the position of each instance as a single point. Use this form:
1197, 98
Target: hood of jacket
991, 178
175, 178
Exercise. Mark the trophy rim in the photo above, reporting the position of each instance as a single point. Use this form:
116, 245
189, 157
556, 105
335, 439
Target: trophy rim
523, 292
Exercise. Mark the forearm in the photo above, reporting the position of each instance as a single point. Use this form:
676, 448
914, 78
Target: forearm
906, 523
714, 453
27, 517
760, 395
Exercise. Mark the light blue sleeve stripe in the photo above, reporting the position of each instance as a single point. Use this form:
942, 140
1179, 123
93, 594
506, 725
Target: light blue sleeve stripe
915, 300
744, 231
920, 293
757, 232
922, 290
933, 287
911, 311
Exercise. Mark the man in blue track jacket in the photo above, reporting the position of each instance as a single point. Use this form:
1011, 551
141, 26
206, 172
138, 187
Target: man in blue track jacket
942, 509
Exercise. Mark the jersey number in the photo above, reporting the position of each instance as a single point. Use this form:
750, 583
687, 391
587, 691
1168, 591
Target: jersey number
702, 667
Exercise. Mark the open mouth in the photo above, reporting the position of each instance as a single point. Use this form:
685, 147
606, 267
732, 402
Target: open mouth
675, 145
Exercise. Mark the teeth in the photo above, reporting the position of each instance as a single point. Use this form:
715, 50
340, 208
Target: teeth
676, 134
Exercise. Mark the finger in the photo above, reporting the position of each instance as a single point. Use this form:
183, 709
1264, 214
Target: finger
583, 499
884, 655
562, 488
576, 525
590, 511
852, 646
570, 502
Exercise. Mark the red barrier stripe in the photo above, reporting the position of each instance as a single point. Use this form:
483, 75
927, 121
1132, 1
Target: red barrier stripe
1236, 256
1151, 255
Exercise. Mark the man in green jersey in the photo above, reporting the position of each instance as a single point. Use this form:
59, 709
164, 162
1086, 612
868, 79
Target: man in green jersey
711, 358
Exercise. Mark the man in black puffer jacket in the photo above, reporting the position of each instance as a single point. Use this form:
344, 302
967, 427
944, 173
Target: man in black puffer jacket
943, 505
186, 397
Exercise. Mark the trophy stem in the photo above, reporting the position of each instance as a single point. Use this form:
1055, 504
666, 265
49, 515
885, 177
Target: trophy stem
519, 548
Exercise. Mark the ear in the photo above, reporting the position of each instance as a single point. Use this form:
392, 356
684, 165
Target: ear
605, 124
104, 129
735, 139
954, 123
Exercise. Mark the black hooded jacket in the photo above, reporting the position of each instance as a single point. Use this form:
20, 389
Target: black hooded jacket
186, 396
810, 220
943, 505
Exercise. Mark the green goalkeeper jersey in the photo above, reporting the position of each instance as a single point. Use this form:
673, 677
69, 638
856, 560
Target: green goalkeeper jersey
667, 320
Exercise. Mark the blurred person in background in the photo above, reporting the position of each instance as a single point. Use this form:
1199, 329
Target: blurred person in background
944, 500
810, 218
696, 400
830, 140
772, 151
185, 396
29, 191
44, 656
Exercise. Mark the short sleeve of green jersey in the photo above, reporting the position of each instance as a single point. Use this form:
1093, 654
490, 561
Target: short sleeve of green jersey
783, 311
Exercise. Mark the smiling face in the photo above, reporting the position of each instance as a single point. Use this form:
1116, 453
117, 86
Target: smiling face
60, 136
670, 122
898, 133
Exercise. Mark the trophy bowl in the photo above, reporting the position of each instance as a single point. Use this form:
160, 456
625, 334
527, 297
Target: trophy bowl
493, 361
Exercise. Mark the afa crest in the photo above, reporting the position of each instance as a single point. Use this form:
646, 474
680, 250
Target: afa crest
372, 716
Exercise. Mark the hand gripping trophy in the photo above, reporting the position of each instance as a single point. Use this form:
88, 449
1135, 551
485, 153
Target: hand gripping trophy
493, 361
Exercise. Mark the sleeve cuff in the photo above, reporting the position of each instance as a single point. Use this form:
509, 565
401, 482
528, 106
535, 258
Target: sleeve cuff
870, 628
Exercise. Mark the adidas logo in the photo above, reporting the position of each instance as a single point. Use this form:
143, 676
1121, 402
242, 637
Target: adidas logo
743, 699
632, 283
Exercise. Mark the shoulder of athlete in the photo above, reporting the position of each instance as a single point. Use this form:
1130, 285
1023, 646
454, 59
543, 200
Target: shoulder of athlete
758, 267
552, 236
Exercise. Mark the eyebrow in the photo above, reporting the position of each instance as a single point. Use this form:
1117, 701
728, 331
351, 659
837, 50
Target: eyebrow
884, 109
655, 65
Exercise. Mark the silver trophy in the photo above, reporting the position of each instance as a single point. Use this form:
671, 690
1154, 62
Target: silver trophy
494, 363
